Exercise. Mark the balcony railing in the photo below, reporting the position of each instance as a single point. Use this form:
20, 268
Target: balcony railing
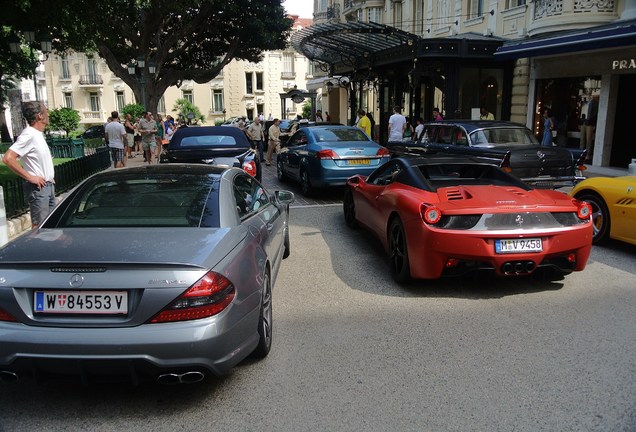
288, 75
93, 115
91, 80
553, 15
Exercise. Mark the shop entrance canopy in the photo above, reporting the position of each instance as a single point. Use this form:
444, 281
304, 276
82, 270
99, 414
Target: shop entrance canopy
615, 35
349, 46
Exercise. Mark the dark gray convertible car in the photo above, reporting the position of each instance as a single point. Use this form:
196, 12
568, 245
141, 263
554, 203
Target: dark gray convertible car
511, 146
213, 145
161, 272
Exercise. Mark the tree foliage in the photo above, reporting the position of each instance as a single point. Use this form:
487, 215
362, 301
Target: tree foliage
185, 39
135, 110
65, 119
184, 107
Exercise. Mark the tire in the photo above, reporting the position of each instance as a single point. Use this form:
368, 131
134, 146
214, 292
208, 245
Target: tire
279, 170
265, 321
349, 209
600, 215
398, 252
287, 250
305, 183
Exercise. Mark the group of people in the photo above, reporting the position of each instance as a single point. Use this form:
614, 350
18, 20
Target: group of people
400, 129
147, 135
256, 134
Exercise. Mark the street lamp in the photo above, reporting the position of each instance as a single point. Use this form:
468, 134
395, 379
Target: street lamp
140, 64
15, 46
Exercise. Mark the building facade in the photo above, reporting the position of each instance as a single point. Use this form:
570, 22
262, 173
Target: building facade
84, 82
515, 57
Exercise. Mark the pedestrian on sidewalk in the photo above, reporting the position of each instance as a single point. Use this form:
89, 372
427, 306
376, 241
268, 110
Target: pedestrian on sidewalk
130, 136
36, 166
148, 128
256, 134
273, 143
116, 134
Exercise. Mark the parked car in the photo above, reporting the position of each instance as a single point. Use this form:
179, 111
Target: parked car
323, 156
213, 145
613, 202
96, 131
160, 272
509, 145
445, 216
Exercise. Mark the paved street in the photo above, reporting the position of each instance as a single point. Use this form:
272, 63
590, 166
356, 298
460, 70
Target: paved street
354, 351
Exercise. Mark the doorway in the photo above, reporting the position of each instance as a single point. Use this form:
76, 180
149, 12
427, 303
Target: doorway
623, 148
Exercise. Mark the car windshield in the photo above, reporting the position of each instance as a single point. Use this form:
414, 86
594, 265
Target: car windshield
447, 175
502, 137
208, 141
339, 134
159, 200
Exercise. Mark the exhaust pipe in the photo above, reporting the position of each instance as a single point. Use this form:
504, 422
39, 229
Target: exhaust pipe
518, 267
8, 376
184, 378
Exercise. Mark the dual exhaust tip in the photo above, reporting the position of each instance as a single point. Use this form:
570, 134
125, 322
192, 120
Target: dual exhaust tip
169, 378
182, 378
518, 267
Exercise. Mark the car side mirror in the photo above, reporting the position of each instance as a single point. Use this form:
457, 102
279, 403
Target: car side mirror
285, 197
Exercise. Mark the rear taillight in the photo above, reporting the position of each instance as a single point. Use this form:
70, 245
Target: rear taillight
584, 211
327, 154
209, 296
383, 151
6, 316
250, 168
430, 213
580, 163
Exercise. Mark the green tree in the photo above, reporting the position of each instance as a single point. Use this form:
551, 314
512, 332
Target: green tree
135, 110
13, 66
66, 119
306, 109
184, 39
184, 107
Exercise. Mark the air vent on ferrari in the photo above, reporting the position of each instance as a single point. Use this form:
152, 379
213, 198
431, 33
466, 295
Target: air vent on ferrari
625, 201
517, 192
454, 194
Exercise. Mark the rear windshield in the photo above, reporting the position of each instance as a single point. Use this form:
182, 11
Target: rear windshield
447, 175
502, 137
339, 134
208, 141
152, 201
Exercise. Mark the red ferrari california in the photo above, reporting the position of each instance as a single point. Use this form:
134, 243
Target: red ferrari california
447, 217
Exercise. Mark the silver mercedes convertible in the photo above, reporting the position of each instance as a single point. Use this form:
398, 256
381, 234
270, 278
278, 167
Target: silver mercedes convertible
162, 272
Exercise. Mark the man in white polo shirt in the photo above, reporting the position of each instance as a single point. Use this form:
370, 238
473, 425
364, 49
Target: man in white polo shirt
116, 134
37, 164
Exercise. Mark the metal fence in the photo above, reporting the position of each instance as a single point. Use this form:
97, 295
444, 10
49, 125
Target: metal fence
67, 176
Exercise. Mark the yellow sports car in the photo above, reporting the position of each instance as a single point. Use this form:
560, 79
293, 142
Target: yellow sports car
613, 201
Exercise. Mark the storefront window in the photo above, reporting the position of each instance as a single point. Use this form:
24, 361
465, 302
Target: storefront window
574, 105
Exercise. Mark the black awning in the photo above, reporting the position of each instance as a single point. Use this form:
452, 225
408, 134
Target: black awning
354, 44
615, 35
